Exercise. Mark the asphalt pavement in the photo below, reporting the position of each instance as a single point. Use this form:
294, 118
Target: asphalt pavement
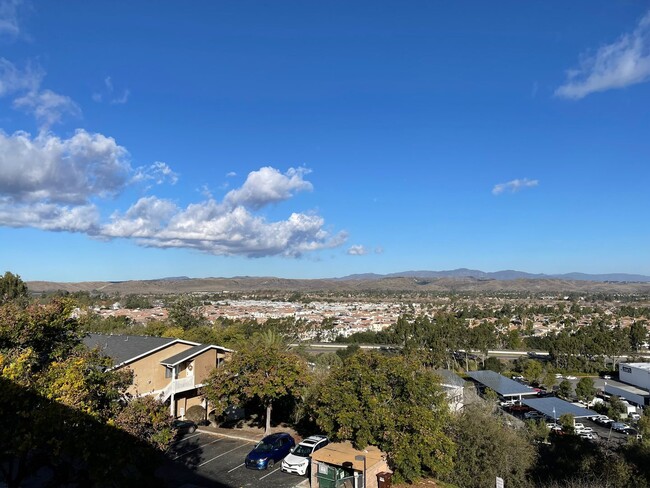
218, 461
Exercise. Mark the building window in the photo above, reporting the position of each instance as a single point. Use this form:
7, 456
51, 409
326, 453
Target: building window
168, 372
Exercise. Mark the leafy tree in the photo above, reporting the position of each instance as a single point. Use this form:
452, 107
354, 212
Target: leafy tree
564, 389
494, 364
349, 351
585, 389
185, 313
12, 288
549, 380
487, 448
148, 419
490, 395
567, 422
260, 370
638, 334
137, 301
48, 331
390, 402
616, 408
533, 370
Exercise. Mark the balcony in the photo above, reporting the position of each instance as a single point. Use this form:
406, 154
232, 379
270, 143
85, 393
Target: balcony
177, 386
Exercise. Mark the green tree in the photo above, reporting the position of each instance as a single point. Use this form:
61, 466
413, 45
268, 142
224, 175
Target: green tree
185, 313
533, 370
261, 371
585, 389
12, 288
391, 402
564, 389
567, 422
616, 408
638, 334
148, 419
486, 448
494, 364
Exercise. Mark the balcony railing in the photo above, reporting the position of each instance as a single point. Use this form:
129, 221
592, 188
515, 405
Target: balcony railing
177, 386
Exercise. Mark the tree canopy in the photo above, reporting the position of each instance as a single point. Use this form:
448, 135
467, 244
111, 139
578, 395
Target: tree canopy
393, 403
260, 370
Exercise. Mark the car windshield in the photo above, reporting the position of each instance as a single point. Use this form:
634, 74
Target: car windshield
263, 447
302, 451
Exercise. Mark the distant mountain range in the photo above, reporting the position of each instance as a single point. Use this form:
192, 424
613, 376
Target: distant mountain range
503, 275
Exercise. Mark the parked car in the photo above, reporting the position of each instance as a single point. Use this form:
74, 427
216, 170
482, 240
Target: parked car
588, 435
184, 427
571, 377
629, 431
533, 415
299, 458
619, 426
554, 426
268, 451
584, 430
602, 420
607, 377
634, 416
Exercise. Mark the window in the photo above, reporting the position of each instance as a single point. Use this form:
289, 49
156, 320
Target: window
168, 372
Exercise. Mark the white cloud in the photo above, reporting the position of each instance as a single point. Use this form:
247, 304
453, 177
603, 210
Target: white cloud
379, 250
231, 174
109, 93
357, 250
56, 184
158, 172
9, 17
13, 79
623, 63
49, 216
47, 106
268, 185
53, 170
513, 186
220, 229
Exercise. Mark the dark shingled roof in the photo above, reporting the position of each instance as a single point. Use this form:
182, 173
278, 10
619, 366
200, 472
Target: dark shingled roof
188, 354
125, 348
499, 383
449, 377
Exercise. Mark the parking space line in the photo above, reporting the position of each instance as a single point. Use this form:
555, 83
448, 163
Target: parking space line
196, 449
185, 438
222, 454
278, 469
236, 467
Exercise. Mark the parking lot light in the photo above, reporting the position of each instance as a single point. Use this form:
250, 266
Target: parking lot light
361, 457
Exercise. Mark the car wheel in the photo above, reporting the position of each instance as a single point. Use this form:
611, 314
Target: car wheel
270, 464
192, 429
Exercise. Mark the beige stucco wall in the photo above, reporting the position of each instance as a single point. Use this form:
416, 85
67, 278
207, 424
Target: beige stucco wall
149, 374
204, 364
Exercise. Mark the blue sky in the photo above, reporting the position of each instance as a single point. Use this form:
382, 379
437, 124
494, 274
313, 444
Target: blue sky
305, 139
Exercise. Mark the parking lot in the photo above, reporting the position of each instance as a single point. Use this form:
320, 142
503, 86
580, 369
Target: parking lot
219, 461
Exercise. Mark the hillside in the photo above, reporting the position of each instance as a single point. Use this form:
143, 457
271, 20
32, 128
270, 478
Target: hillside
386, 284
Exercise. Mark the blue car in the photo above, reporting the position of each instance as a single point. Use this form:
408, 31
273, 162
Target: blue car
268, 451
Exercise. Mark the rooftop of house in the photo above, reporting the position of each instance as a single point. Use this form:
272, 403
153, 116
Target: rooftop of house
126, 348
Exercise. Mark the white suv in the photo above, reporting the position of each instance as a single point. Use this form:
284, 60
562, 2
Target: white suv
299, 458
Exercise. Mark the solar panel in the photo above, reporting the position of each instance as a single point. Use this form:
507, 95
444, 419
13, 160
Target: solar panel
554, 407
499, 383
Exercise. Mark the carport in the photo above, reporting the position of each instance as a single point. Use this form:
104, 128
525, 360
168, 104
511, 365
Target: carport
554, 408
505, 387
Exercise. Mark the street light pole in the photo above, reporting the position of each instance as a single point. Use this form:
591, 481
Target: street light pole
361, 457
